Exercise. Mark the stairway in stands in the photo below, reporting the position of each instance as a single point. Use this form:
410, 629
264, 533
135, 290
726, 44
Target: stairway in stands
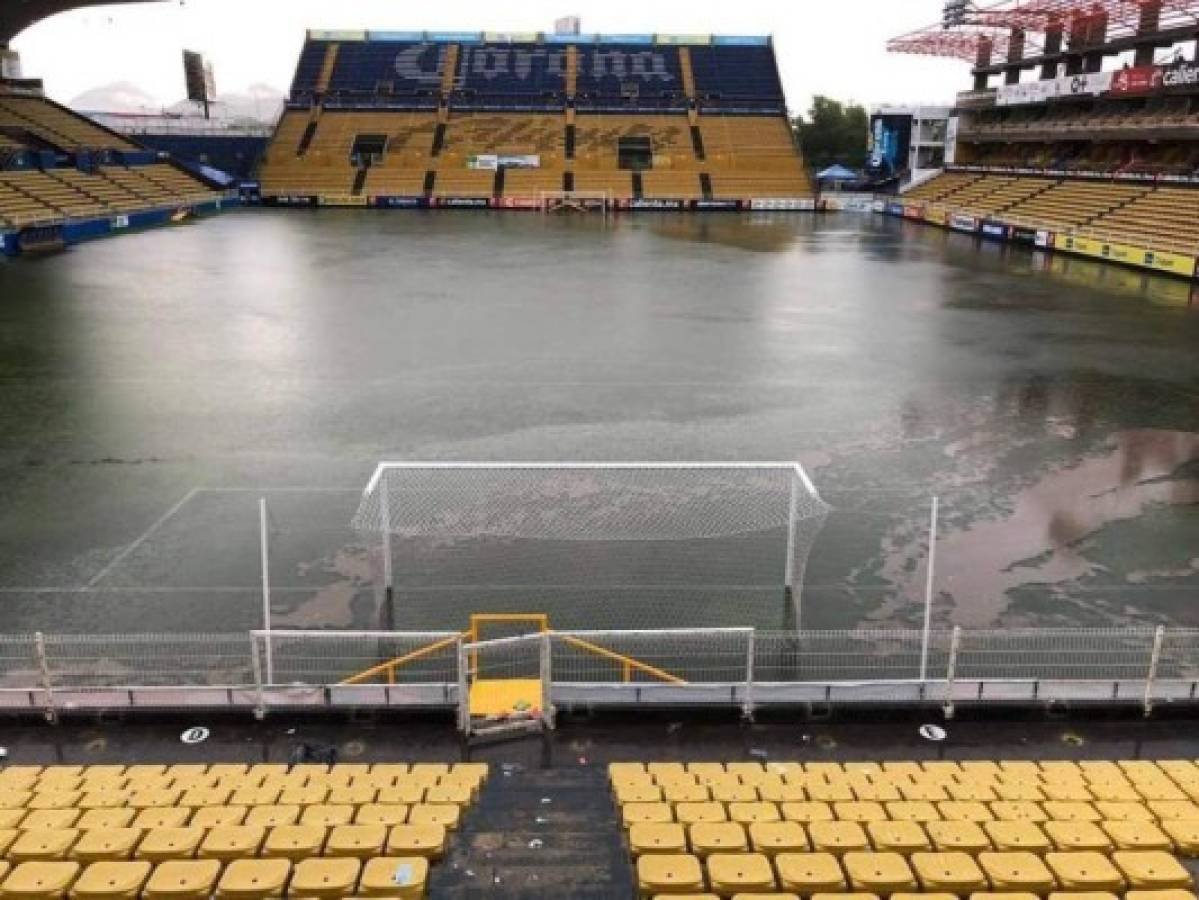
326, 74
538, 834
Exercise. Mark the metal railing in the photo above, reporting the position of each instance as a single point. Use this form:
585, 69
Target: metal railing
738, 668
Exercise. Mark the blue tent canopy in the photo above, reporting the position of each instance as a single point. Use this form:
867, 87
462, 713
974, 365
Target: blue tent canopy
837, 173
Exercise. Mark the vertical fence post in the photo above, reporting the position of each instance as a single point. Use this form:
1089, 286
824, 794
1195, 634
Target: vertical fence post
43, 664
928, 592
951, 669
264, 550
463, 687
547, 679
1159, 637
747, 708
260, 692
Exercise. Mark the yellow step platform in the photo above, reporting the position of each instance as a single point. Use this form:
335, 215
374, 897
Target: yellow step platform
498, 697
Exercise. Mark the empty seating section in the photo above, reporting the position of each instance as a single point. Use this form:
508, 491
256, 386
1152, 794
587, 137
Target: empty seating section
228, 831
648, 75
56, 126
1143, 215
909, 829
623, 104
388, 68
753, 156
731, 76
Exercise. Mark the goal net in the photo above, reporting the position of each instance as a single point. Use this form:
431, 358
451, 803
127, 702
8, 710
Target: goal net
593, 545
574, 201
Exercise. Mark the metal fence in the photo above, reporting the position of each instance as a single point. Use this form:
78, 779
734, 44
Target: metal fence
732, 667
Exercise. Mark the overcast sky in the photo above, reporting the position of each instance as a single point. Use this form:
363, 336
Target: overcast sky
824, 47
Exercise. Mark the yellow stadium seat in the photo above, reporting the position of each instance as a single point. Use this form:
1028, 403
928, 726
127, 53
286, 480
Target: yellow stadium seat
448, 815
381, 814
160, 817
327, 815
11, 818
55, 799
1023, 871
773, 838
1006, 836
733, 793
106, 845
46, 845
717, 837
810, 873
325, 878
898, 837
1137, 836
304, 795
193, 879
732, 873
1184, 834
1082, 895
39, 880
953, 872
878, 873
272, 815
964, 811
672, 873
913, 811
294, 842
357, 841
230, 842
691, 813
161, 844
1124, 811
49, 819
1063, 811
633, 813
1018, 811
212, 816
1175, 894
253, 879
400, 877
1078, 836
1151, 870
649, 837
682, 792
808, 812
98, 819
7, 836
111, 881
860, 811
781, 792
759, 811
837, 837
427, 841
1084, 871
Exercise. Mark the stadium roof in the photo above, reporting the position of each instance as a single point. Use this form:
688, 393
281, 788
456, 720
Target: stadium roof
17, 15
993, 23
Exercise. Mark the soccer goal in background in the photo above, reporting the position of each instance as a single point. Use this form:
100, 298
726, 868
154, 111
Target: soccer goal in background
575, 201
592, 545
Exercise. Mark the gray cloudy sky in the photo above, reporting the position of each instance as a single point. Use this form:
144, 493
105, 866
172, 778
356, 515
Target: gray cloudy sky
825, 47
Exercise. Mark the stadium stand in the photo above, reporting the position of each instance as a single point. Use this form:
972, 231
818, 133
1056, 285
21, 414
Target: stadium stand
56, 166
1089, 151
635, 118
907, 829
229, 830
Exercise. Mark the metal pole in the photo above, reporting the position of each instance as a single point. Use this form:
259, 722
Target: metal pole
789, 595
547, 680
264, 548
463, 689
385, 526
1159, 638
928, 592
256, 665
747, 709
951, 670
39, 643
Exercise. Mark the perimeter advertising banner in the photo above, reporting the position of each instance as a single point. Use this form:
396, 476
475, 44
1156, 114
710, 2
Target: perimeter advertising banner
963, 223
1175, 263
1090, 84
782, 203
1137, 80
492, 161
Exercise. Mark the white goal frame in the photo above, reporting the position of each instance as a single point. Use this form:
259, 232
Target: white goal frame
586, 201
799, 481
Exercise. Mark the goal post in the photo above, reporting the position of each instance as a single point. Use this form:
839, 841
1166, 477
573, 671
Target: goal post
593, 545
574, 201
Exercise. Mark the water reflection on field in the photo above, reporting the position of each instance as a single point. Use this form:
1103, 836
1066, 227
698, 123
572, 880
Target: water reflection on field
152, 387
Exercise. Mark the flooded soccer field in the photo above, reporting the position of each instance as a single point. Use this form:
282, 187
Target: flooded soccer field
154, 387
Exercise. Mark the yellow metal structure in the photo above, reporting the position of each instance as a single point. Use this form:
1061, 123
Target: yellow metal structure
505, 694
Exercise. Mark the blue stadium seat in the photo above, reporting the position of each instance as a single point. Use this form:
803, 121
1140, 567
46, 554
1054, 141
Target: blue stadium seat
732, 79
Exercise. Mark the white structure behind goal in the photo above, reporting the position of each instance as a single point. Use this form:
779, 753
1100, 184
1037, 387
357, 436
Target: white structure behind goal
594, 545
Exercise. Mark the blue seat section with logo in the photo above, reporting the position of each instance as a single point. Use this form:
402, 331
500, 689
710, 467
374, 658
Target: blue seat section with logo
533, 73
737, 78
398, 68
308, 69
649, 74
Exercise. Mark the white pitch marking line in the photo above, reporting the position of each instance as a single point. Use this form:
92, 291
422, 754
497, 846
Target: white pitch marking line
129, 548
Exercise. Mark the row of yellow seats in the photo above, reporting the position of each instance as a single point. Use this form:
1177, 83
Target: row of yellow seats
186, 776
934, 895
451, 789
780, 788
391, 876
890, 874
424, 832
768, 835
1179, 772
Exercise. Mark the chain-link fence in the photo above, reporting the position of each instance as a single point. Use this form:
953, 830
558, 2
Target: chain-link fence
733, 666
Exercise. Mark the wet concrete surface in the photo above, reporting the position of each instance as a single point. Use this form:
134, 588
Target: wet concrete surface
153, 387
